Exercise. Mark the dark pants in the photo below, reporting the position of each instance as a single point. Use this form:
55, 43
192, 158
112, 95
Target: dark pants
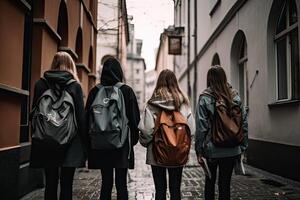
120, 181
160, 182
65, 176
225, 166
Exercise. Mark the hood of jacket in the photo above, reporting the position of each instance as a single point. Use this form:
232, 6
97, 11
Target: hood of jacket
59, 77
165, 103
112, 72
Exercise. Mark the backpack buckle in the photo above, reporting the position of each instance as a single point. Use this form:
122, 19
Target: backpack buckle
105, 100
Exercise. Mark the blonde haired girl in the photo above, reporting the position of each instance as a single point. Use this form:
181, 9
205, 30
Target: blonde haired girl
60, 163
62, 61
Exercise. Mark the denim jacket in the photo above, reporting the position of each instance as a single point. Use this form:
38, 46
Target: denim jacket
205, 111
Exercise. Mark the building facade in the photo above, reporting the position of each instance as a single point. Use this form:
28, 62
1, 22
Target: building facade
31, 33
163, 59
113, 32
150, 83
257, 43
135, 70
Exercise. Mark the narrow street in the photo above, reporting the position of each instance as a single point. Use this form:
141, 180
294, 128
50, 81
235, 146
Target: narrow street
256, 185
253, 44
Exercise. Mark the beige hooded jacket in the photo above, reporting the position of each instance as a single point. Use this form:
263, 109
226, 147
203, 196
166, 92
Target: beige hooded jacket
147, 123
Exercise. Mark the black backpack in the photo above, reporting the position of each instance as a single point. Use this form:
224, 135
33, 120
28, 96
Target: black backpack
53, 117
108, 126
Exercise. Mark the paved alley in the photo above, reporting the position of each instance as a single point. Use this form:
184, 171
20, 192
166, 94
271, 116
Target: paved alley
256, 185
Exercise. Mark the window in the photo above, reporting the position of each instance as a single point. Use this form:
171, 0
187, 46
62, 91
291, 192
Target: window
62, 25
137, 81
180, 13
137, 71
243, 74
78, 46
239, 72
287, 53
25, 103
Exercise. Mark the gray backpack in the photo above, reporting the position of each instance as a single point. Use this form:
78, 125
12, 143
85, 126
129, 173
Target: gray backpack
53, 117
108, 124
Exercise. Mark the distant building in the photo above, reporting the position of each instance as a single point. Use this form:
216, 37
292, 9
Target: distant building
135, 71
257, 43
163, 59
113, 32
31, 33
150, 83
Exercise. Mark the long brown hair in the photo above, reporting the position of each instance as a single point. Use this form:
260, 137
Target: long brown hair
167, 84
217, 82
62, 61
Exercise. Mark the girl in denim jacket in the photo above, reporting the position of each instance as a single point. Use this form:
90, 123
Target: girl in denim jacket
217, 157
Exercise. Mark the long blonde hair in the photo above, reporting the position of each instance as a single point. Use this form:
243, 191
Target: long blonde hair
167, 83
62, 61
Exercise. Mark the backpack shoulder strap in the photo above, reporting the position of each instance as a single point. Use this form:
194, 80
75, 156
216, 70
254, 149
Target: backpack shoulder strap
99, 86
49, 85
70, 81
119, 85
207, 93
45, 81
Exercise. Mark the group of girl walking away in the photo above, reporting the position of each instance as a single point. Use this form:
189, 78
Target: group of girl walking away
65, 133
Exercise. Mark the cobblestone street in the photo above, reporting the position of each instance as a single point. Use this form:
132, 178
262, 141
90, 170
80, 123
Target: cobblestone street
256, 185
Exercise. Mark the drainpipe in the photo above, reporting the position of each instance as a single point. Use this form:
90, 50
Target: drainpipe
118, 35
131, 64
188, 49
174, 23
195, 50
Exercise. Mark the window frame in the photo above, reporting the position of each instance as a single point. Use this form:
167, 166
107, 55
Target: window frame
242, 63
285, 34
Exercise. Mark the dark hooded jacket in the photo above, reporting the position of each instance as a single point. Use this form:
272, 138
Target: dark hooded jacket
74, 154
97, 159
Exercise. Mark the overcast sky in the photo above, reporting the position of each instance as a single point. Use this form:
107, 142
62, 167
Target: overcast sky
150, 17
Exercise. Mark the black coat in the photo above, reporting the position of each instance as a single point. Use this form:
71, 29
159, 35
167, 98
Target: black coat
73, 155
98, 159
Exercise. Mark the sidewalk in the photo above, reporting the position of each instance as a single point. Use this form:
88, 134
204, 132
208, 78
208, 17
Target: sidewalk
256, 185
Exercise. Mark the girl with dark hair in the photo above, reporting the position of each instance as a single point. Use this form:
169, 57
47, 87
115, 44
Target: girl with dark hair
167, 96
119, 160
222, 158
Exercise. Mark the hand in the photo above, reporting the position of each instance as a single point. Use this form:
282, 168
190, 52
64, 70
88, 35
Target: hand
200, 160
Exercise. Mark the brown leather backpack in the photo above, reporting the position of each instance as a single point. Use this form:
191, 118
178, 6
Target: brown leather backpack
227, 124
172, 139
